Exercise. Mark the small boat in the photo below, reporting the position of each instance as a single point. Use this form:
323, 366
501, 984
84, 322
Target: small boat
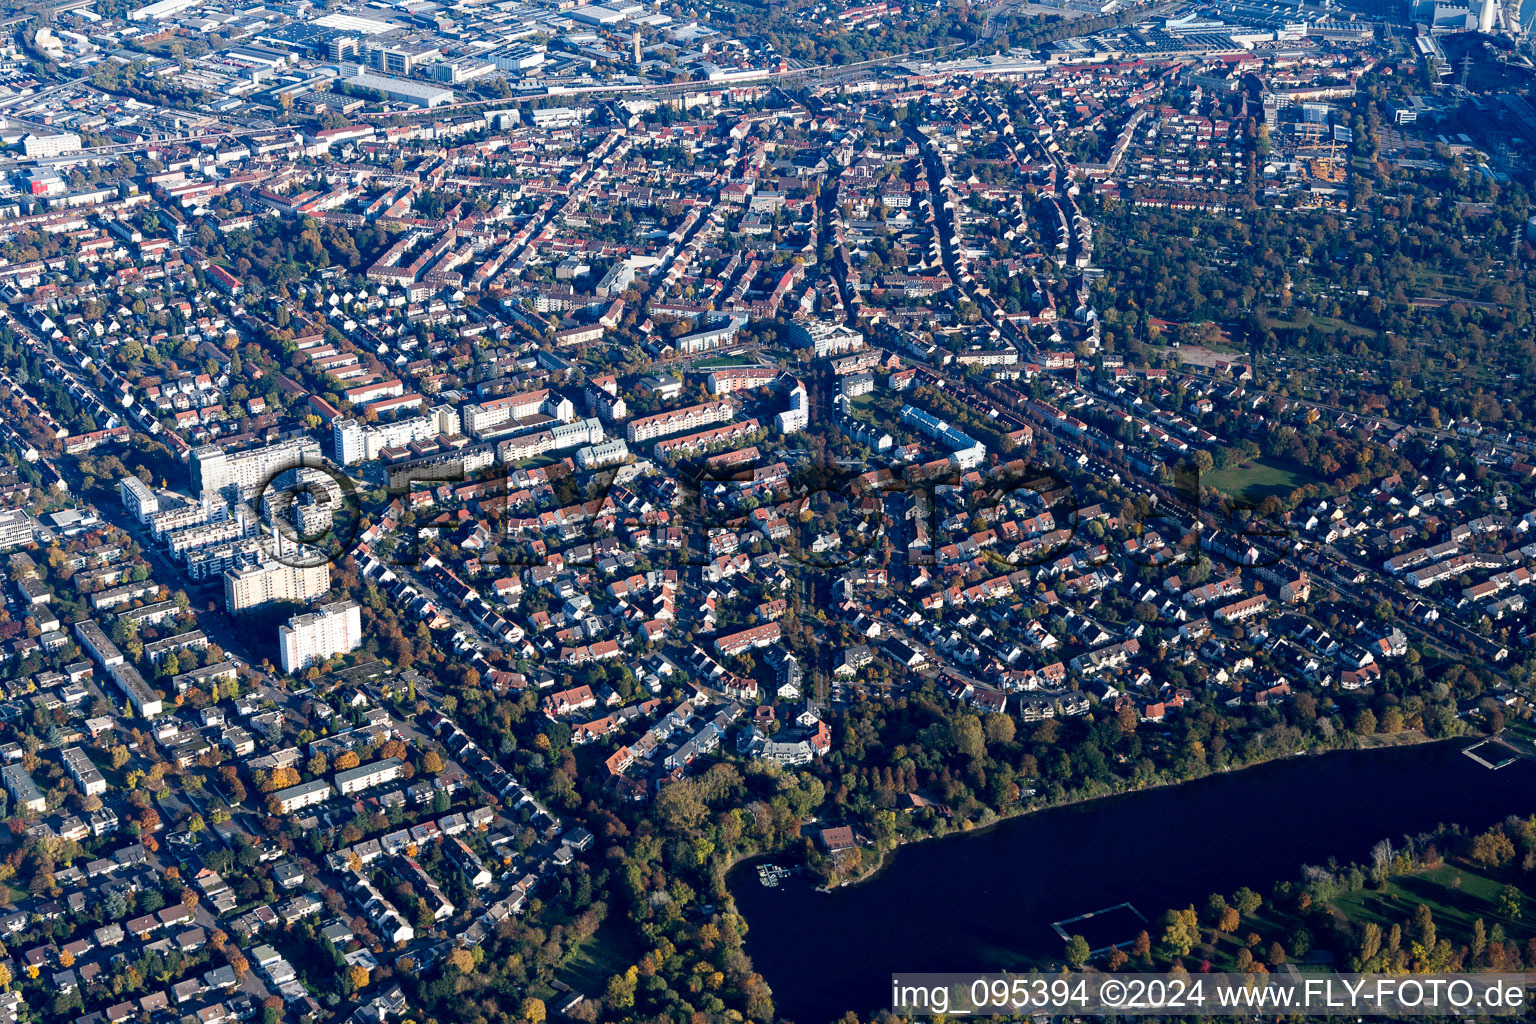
772, 874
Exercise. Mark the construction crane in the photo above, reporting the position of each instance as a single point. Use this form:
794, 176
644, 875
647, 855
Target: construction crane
1329, 168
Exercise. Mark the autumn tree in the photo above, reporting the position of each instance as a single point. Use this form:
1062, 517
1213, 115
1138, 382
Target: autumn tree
1370, 944
1493, 849
1511, 902
966, 732
1424, 926
1141, 947
620, 994
1181, 931
999, 729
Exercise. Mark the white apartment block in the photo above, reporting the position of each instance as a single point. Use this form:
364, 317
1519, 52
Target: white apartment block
313, 637
214, 469
18, 783
87, 776
252, 586
500, 414
798, 415
356, 442
606, 454
137, 498
305, 794
676, 421
355, 780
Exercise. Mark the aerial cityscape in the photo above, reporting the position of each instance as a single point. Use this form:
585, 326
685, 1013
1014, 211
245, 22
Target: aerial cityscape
522, 510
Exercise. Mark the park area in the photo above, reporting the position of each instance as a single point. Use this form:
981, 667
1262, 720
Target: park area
1256, 479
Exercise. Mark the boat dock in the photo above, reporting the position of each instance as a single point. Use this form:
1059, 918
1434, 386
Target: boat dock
1505, 762
1104, 929
772, 874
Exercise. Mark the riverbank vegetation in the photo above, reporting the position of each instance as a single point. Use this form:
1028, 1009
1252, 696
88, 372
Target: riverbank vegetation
919, 766
1445, 901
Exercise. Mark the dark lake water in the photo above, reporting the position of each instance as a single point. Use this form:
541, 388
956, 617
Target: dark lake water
979, 901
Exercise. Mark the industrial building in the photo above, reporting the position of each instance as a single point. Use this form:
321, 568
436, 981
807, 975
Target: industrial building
402, 90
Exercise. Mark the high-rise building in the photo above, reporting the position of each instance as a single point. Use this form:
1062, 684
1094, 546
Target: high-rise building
137, 498
255, 585
347, 442
798, 415
313, 637
214, 470
354, 442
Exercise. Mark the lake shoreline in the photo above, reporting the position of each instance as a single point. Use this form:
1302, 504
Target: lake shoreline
991, 903
1378, 741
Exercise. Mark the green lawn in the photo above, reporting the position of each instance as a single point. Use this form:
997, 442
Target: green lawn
1520, 729
864, 407
1256, 480
611, 951
1456, 894
1325, 323
712, 362
1336, 324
